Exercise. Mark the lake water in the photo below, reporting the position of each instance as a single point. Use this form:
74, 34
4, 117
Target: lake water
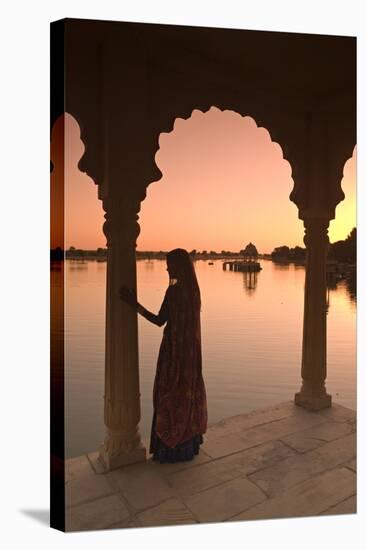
251, 342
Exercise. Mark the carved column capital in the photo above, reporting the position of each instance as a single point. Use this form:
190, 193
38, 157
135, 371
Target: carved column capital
121, 221
316, 232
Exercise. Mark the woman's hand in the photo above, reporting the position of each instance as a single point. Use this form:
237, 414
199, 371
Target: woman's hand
128, 295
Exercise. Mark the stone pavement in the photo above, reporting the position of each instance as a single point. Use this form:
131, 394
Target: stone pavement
277, 462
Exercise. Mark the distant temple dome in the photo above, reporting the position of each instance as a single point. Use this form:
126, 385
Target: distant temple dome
250, 252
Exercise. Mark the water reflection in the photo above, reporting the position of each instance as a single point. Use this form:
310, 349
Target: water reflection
57, 360
281, 266
250, 281
251, 341
351, 285
78, 264
331, 285
149, 264
56, 265
348, 283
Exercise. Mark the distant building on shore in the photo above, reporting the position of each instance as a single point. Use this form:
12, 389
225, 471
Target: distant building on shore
250, 253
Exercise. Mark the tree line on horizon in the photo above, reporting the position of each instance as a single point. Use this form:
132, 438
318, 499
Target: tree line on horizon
343, 251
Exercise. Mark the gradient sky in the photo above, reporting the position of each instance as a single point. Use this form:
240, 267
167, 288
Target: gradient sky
224, 183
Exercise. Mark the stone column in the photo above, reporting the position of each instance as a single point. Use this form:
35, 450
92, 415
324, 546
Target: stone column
122, 444
313, 395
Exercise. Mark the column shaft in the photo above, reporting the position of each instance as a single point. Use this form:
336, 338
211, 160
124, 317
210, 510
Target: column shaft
122, 444
313, 394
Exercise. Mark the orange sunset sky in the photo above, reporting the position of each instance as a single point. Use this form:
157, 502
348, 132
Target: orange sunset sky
224, 183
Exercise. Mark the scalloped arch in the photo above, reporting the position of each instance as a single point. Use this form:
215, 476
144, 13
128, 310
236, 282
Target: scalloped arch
343, 162
84, 165
169, 128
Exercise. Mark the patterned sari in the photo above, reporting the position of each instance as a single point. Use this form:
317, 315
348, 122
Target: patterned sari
179, 396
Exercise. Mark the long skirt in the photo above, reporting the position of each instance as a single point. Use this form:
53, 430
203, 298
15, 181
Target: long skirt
181, 452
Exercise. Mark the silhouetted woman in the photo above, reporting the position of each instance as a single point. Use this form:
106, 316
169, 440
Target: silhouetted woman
179, 396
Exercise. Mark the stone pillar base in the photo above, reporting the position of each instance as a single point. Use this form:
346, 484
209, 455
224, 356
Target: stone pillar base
313, 402
114, 461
